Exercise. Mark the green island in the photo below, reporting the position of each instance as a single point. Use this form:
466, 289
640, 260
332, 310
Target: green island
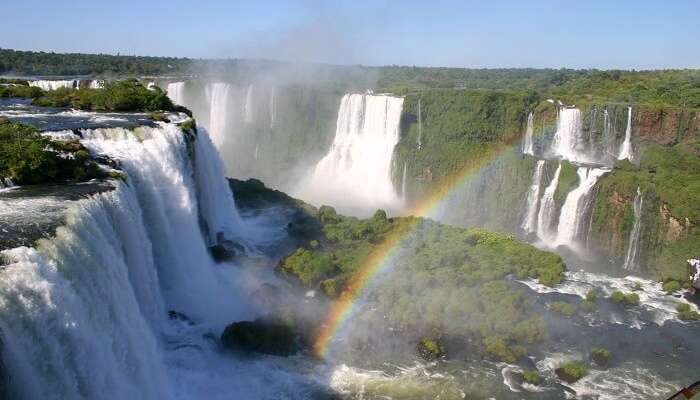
461, 274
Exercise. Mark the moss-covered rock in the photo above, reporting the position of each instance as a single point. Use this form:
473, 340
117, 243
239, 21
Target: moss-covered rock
600, 356
571, 371
625, 299
430, 348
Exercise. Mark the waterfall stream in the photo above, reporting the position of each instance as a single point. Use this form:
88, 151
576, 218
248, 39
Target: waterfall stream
571, 222
528, 144
632, 255
355, 174
626, 148
547, 212
529, 223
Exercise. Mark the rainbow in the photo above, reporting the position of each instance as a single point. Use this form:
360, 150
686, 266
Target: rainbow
379, 258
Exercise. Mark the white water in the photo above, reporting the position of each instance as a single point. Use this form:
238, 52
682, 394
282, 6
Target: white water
248, 110
528, 143
355, 175
175, 91
273, 107
626, 148
419, 143
218, 94
547, 210
53, 85
631, 258
529, 223
568, 142
572, 212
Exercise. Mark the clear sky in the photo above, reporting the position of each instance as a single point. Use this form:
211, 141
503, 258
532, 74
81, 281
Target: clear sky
639, 34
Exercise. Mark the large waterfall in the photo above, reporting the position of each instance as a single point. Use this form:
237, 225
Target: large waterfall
218, 94
175, 91
626, 148
529, 224
528, 142
355, 175
84, 315
547, 212
632, 256
568, 142
573, 211
55, 84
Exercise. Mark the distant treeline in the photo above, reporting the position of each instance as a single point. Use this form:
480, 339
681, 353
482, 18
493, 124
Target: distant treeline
679, 88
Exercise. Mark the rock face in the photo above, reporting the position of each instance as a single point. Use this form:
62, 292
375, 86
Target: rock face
263, 335
665, 126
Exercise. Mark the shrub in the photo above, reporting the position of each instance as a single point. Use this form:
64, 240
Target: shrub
592, 295
308, 266
562, 307
626, 299
571, 371
430, 348
671, 286
686, 314
600, 356
532, 377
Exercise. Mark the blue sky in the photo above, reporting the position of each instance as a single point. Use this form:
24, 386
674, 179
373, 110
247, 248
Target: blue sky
639, 34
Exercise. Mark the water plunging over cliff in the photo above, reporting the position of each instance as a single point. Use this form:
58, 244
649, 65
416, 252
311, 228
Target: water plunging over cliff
355, 175
568, 142
547, 212
528, 143
55, 84
84, 315
533, 199
248, 111
632, 256
626, 148
571, 219
176, 93
419, 143
218, 94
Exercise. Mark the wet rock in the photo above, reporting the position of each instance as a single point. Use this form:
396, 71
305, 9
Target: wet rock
264, 335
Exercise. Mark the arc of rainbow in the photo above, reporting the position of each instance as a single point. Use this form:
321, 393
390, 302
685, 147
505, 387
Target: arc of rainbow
378, 259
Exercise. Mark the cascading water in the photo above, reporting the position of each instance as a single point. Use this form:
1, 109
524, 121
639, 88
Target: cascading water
419, 143
568, 142
248, 111
355, 175
632, 256
528, 143
626, 148
273, 107
176, 92
571, 222
55, 84
545, 217
529, 223
218, 94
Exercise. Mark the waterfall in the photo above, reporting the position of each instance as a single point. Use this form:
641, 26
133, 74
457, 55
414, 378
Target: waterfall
248, 111
571, 222
568, 140
528, 145
218, 94
75, 312
55, 84
273, 107
529, 223
403, 180
626, 148
158, 166
97, 84
632, 257
356, 171
419, 143
545, 217
176, 93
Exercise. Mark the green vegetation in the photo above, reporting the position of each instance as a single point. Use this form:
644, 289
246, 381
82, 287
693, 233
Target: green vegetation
459, 273
669, 178
571, 371
600, 356
41, 63
626, 299
26, 157
686, 314
18, 90
461, 130
430, 348
532, 377
592, 295
563, 308
122, 95
671, 287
